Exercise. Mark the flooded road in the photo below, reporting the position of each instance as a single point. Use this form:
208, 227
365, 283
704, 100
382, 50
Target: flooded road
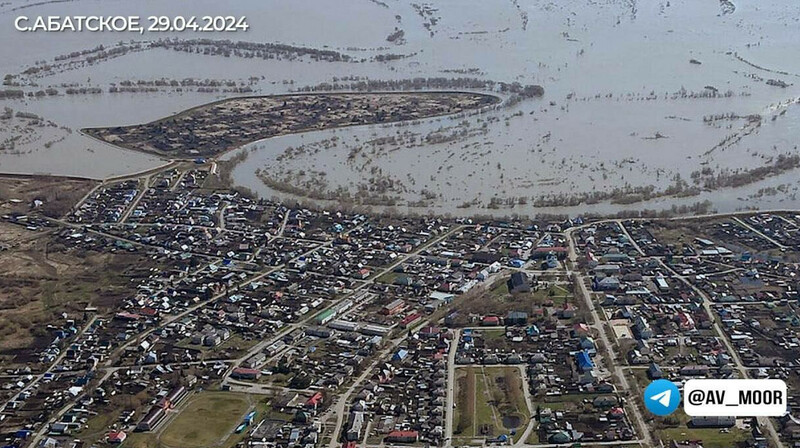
647, 105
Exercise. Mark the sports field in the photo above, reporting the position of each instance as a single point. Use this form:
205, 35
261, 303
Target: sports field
207, 420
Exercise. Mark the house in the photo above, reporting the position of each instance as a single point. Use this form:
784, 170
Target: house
430, 332
654, 372
516, 318
355, 425
212, 340
694, 370
587, 343
408, 320
615, 257
243, 373
117, 437
362, 274
567, 311
255, 360
513, 359
485, 257
642, 328
446, 297
605, 284
607, 269
433, 305
48, 442
490, 321
712, 422
315, 400
584, 361
393, 307
400, 355
403, 280
518, 283
563, 436
402, 437
320, 332
580, 330
605, 401
59, 429
541, 253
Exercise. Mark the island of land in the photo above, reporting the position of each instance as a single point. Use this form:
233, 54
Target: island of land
212, 129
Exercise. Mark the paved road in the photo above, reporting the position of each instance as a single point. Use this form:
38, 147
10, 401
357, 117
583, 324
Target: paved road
526, 392
608, 347
144, 184
36, 378
401, 259
757, 232
630, 238
451, 385
764, 422
43, 429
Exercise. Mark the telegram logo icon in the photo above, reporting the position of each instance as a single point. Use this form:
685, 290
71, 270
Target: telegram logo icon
662, 397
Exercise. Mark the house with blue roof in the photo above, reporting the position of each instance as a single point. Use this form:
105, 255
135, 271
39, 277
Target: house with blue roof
400, 355
584, 361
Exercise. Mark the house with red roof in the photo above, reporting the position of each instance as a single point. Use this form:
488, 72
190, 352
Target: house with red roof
402, 437
315, 400
116, 437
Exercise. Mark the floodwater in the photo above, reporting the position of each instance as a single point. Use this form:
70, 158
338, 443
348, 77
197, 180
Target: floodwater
628, 93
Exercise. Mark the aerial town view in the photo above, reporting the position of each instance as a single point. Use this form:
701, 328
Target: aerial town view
399, 223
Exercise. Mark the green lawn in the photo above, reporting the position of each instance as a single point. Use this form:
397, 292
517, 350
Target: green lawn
557, 293
208, 419
498, 393
235, 346
97, 425
489, 335
711, 437
533, 438
464, 415
499, 289
141, 440
388, 278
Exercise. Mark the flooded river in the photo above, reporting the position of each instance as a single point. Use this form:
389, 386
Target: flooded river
641, 99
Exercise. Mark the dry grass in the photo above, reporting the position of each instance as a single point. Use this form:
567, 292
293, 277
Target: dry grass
42, 279
465, 403
58, 194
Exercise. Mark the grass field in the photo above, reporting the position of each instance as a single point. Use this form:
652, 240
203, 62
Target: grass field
208, 420
464, 415
497, 298
234, 347
141, 440
43, 277
711, 437
484, 396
